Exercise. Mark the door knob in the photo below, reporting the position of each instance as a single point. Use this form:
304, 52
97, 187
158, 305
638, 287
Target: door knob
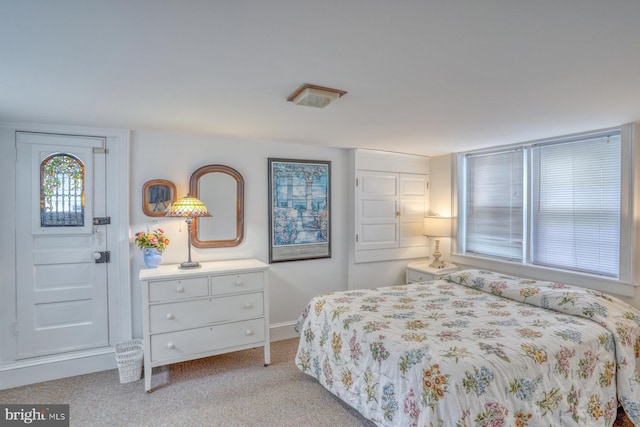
102, 257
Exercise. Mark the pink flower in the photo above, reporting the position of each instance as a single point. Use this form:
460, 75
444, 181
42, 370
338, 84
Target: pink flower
153, 239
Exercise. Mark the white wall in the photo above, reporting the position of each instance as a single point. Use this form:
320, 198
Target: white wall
440, 196
175, 156
7, 242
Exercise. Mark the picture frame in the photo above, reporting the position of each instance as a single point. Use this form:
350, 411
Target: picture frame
157, 197
299, 209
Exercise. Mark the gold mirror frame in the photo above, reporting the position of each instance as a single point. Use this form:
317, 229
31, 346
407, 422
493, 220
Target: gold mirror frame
147, 202
193, 190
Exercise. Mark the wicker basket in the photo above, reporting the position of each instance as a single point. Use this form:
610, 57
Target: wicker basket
129, 355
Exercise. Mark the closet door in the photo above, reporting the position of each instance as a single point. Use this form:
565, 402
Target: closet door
391, 209
412, 201
391, 198
377, 219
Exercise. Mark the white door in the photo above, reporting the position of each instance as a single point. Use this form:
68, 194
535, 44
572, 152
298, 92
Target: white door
391, 208
413, 198
377, 210
62, 301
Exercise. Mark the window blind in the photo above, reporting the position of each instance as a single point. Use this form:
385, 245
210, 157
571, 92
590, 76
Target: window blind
575, 209
494, 204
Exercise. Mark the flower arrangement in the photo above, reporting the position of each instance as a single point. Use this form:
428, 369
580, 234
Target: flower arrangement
154, 239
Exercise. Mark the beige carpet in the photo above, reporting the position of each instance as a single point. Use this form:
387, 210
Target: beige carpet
228, 390
622, 420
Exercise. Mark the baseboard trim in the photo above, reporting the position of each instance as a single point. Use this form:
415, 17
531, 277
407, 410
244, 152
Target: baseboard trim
39, 370
282, 331
31, 371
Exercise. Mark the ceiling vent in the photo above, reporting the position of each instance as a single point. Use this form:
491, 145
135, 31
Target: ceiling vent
315, 96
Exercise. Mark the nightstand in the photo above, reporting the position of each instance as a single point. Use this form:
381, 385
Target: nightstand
420, 271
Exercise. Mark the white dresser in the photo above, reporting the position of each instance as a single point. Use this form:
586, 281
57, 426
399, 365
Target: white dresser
221, 307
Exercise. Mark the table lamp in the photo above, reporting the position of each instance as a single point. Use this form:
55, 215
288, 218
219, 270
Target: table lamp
437, 226
189, 208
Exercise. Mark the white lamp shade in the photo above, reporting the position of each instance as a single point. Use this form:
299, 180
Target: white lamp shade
437, 226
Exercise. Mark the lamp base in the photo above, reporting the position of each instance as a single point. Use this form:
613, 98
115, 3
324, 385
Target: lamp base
189, 264
438, 264
436, 257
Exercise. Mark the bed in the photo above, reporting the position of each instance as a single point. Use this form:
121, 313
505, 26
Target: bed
476, 349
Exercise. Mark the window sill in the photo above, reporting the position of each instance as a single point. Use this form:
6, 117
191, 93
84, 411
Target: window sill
589, 281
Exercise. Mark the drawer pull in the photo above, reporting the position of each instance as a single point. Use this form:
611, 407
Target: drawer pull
248, 305
171, 345
238, 281
180, 289
249, 332
170, 316
419, 277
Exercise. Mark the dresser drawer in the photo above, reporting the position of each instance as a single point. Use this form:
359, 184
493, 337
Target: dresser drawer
192, 314
171, 290
236, 283
177, 345
418, 276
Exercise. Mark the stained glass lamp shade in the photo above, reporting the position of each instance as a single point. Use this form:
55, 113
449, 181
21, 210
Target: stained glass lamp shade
189, 208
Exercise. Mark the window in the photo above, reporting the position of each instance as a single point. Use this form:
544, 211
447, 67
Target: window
575, 209
494, 204
555, 204
61, 191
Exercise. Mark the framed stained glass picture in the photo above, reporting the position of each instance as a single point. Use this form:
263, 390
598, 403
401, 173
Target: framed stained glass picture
299, 209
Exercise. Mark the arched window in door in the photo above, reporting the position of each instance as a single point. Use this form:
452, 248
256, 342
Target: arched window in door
61, 191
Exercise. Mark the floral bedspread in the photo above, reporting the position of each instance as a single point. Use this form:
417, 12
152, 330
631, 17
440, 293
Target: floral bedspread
477, 349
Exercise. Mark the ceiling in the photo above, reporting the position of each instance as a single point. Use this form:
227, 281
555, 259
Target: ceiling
423, 76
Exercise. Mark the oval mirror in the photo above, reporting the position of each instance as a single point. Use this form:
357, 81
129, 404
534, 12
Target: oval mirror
221, 189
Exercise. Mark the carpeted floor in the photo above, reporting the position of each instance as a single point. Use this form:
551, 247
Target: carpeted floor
622, 420
232, 390
228, 390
